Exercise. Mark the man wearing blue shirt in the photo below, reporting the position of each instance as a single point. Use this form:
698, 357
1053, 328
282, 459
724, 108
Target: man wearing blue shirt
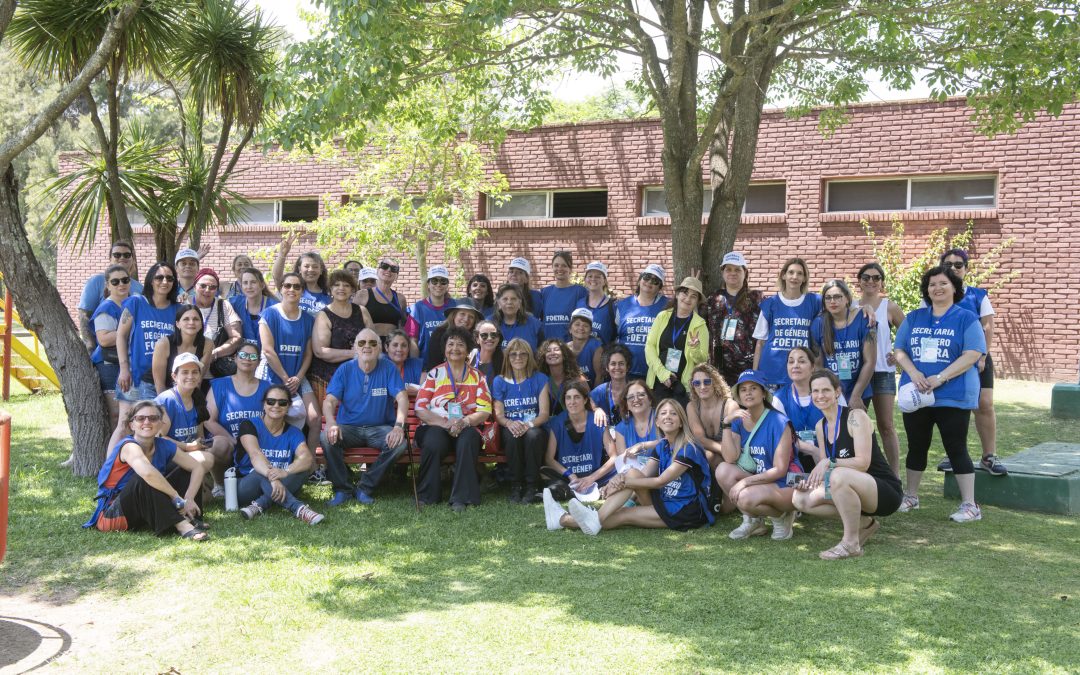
357, 415
93, 292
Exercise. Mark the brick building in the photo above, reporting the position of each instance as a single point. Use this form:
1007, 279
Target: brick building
591, 188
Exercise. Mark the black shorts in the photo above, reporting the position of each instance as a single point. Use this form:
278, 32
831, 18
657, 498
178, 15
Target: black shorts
889, 496
986, 377
689, 517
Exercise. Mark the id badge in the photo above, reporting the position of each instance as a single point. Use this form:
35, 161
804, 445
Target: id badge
672, 359
454, 410
843, 365
528, 417
928, 350
808, 436
727, 332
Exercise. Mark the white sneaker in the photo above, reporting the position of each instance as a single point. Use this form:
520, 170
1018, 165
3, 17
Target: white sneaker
781, 527
552, 511
251, 511
587, 519
218, 492
908, 504
967, 513
751, 527
309, 515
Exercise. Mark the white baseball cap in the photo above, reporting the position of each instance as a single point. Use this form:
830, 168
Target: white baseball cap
597, 266
521, 264
438, 272
654, 270
184, 359
583, 312
185, 253
910, 399
733, 258
368, 273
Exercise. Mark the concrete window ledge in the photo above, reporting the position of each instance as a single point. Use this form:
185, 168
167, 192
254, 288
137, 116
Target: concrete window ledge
505, 224
907, 216
747, 219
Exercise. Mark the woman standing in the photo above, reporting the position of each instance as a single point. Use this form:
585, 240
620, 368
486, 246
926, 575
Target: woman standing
598, 301
732, 312
334, 331
587, 349
105, 320
488, 356
678, 341
558, 364
397, 350
522, 408
634, 316
187, 338
784, 322
672, 491
937, 347
239, 264
384, 305
561, 298
888, 316
311, 269
852, 481
845, 343
221, 323
758, 487
253, 300
615, 364
513, 319
519, 274
710, 403
479, 290
273, 461
428, 314
453, 402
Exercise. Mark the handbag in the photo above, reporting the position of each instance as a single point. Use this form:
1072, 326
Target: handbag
223, 366
746, 461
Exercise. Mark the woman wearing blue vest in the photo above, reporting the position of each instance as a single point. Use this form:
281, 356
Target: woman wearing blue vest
672, 491
520, 273
480, 291
937, 348
429, 313
677, 342
634, 316
410, 368
784, 322
513, 320
104, 322
315, 293
557, 363
575, 450
598, 300
614, 366
186, 412
630, 441
187, 337
845, 343
756, 481
522, 409
587, 349
253, 300
793, 401
235, 398
561, 298
273, 461
136, 490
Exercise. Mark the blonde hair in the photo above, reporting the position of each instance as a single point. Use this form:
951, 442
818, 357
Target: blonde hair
685, 436
781, 284
522, 345
718, 381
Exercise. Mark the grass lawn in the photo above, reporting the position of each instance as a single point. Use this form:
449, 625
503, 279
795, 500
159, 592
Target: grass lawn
382, 588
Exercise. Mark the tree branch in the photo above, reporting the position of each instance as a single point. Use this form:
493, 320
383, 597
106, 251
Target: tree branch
24, 137
7, 10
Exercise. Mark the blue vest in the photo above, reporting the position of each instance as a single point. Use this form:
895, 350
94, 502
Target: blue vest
585, 359
232, 407
603, 319
148, 325
789, 327
934, 343
803, 418
184, 422
313, 303
249, 323
847, 344
106, 307
765, 441
583, 457
531, 331
279, 450
602, 398
634, 323
559, 303
521, 400
429, 317
693, 485
164, 451
291, 338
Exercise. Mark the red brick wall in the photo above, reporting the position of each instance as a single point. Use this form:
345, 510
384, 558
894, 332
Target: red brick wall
1038, 197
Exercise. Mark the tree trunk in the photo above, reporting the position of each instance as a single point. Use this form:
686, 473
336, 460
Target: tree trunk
43, 312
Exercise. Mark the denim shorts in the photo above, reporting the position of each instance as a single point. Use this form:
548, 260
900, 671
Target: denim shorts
140, 391
107, 374
884, 382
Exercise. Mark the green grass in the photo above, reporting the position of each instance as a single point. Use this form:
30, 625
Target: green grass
383, 588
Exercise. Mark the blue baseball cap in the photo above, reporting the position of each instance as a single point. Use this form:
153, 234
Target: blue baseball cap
757, 378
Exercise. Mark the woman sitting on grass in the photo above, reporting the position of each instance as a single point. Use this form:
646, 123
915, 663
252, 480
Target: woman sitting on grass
136, 490
575, 451
852, 479
273, 460
672, 491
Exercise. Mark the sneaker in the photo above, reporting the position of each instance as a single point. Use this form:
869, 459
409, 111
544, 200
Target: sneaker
339, 498
751, 527
993, 466
458, 507
908, 503
251, 511
364, 498
530, 496
309, 515
967, 512
587, 519
552, 511
945, 465
318, 477
781, 527
218, 491
515, 494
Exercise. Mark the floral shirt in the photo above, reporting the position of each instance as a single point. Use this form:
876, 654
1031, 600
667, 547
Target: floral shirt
731, 357
437, 392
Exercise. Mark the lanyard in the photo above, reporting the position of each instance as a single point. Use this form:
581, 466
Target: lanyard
633, 427
476, 359
830, 447
393, 302
803, 409
676, 333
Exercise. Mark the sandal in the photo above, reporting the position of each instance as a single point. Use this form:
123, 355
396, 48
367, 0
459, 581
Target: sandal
195, 534
840, 552
869, 530
199, 523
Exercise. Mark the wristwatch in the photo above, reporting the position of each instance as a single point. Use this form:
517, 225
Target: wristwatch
178, 502
399, 425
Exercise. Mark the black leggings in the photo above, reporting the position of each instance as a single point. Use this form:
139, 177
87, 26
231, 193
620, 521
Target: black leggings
146, 507
952, 424
525, 454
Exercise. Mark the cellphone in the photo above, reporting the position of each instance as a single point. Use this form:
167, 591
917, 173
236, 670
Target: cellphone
794, 478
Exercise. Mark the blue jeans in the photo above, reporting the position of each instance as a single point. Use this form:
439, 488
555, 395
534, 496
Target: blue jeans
254, 487
338, 471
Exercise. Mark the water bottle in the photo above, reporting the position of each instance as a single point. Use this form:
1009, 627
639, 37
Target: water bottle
230, 489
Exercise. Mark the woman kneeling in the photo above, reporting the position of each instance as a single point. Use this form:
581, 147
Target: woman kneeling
852, 480
672, 491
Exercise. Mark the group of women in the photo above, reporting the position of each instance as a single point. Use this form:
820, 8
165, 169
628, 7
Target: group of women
669, 408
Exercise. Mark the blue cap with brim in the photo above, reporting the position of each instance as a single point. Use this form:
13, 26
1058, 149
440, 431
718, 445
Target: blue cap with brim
757, 378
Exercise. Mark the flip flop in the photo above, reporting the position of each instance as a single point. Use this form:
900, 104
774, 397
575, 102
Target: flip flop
199, 523
840, 552
869, 530
195, 534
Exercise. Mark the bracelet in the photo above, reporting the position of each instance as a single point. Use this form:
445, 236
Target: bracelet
566, 474
178, 502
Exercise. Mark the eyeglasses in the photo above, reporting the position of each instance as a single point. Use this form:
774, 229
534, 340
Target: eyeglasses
247, 356
116, 281
439, 282
140, 419
704, 382
518, 355
957, 265
119, 255
833, 298
369, 343
292, 287
164, 277
278, 402
206, 287
651, 279
870, 278
394, 269
637, 396
489, 336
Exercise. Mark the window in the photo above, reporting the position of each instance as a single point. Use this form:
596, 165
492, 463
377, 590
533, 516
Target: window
550, 204
279, 210
912, 194
137, 217
761, 198
299, 210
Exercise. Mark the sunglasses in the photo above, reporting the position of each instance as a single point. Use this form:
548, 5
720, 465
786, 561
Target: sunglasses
247, 356
278, 402
394, 269
834, 298
122, 256
958, 265
369, 343
292, 287
489, 336
204, 287
651, 279
635, 397
439, 282
139, 419
164, 277
870, 278
704, 382
116, 281
518, 355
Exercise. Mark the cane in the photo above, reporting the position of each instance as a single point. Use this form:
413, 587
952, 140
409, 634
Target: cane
412, 470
